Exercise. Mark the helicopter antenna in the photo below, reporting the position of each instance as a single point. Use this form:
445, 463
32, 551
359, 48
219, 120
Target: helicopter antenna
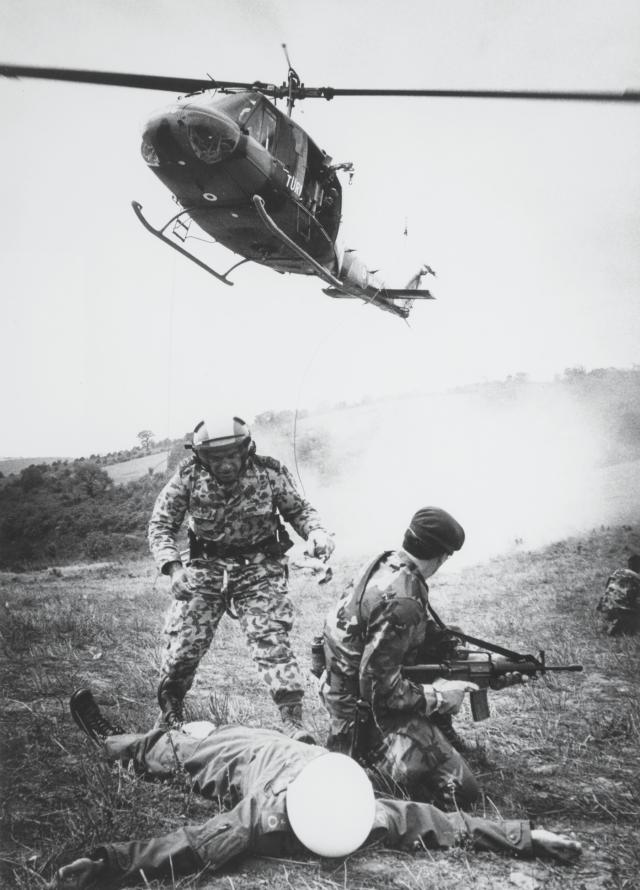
293, 81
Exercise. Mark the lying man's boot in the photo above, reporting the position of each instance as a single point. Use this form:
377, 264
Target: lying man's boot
170, 699
87, 714
293, 725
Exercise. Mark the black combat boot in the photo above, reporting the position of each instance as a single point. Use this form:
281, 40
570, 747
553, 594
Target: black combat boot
444, 722
292, 723
87, 714
170, 699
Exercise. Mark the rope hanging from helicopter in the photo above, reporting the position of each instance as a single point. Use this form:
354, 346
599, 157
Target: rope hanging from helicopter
297, 409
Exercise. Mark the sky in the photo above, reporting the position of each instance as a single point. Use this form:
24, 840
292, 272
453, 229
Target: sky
528, 212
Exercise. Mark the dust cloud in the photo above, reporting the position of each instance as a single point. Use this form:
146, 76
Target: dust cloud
518, 466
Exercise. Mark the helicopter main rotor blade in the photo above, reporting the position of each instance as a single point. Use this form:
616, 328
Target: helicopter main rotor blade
137, 81
544, 95
297, 92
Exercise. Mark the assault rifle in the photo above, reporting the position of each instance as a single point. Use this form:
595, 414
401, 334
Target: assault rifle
485, 670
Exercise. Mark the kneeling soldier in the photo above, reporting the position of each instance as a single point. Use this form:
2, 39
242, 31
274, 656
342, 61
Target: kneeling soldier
379, 625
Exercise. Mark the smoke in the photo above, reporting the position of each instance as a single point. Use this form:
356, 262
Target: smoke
517, 465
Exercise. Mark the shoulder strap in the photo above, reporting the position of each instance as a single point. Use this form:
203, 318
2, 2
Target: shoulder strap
364, 580
263, 460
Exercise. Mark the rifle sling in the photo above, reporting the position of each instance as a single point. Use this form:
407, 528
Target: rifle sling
476, 641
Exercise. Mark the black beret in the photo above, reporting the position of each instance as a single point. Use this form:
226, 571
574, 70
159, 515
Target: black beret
634, 563
433, 531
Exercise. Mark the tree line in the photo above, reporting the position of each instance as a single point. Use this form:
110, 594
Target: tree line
58, 513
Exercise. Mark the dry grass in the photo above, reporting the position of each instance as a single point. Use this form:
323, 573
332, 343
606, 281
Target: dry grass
562, 751
129, 470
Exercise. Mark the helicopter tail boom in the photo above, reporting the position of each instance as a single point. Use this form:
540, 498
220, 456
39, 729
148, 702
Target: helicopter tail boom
393, 292
387, 293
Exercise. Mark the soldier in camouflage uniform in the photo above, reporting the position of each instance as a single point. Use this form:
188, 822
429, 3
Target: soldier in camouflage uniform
619, 606
234, 499
380, 624
254, 771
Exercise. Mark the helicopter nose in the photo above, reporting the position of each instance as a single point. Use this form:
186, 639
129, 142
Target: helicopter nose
174, 136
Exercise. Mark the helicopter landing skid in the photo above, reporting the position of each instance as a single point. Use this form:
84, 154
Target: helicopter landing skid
160, 233
273, 227
336, 287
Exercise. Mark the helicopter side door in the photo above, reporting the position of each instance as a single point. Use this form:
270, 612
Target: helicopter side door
272, 130
290, 153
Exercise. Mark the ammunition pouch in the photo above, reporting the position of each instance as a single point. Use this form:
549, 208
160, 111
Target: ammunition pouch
366, 737
275, 546
318, 659
340, 684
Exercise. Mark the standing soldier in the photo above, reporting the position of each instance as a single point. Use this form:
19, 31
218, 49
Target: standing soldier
234, 499
379, 625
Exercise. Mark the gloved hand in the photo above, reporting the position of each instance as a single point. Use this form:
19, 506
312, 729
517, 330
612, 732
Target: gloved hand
320, 544
453, 693
77, 875
510, 679
180, 582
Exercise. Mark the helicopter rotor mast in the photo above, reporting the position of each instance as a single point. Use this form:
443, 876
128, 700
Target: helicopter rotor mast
293, 83
293, 90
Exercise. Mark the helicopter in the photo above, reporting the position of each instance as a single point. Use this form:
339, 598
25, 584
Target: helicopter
251, 178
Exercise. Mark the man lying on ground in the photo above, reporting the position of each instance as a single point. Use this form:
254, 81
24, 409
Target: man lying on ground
282, 794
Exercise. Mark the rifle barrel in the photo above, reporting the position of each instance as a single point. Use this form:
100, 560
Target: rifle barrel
564, 667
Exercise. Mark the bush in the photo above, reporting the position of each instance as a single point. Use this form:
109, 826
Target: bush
97, 545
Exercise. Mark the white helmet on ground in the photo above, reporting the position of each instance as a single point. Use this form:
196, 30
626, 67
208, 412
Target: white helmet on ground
221, 434
330, 805
198, 729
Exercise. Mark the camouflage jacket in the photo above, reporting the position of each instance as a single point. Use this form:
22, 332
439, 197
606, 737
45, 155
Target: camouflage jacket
622, 592
369, 635
243, 517
620, 603
250, 770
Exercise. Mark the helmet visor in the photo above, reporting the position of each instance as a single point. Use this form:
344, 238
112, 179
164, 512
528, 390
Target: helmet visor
218, 448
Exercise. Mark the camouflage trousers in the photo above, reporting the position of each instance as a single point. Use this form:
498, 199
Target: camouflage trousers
408, 754
415, 760
256, 594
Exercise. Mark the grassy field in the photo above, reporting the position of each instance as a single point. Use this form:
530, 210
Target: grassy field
130, 470
563, 752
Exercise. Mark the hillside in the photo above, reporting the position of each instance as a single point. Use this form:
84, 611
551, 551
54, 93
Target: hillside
9, 465
561, 751
130, 470
519, 463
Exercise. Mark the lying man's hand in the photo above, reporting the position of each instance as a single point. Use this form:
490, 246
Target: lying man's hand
558, 846
77, 875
